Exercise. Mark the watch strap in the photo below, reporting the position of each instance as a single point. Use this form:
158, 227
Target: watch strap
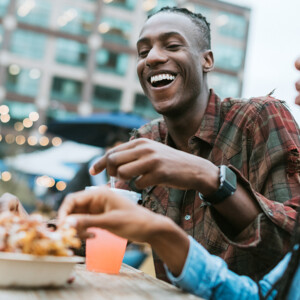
226, 188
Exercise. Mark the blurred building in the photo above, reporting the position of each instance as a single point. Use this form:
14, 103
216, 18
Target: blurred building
60, 57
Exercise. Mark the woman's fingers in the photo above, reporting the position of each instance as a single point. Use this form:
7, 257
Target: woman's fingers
9, 202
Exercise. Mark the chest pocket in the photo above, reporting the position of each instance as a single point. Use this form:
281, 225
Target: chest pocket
212, 238
156, 199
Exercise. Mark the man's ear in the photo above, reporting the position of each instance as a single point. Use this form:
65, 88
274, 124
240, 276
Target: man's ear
207, 61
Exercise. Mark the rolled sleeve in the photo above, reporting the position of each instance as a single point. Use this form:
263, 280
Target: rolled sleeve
207, 276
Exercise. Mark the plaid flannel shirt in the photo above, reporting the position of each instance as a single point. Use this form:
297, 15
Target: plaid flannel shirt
259, 140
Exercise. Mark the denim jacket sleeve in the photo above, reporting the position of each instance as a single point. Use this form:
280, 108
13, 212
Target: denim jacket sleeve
207, 276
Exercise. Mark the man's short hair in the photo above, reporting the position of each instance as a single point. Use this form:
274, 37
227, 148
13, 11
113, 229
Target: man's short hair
198, 19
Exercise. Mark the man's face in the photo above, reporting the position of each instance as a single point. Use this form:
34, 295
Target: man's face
169, 62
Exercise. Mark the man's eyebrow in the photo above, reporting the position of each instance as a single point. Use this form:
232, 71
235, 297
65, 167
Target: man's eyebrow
162, 36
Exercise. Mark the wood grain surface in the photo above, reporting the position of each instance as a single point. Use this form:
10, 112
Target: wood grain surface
131, 284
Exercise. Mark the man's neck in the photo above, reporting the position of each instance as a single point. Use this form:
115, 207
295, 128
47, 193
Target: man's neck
185, 125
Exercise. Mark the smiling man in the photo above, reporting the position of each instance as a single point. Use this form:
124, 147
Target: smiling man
227, 172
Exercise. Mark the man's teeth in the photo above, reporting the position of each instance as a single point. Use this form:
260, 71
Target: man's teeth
162, 77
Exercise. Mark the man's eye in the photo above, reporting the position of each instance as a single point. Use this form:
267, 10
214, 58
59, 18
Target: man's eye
173, 46
143, 53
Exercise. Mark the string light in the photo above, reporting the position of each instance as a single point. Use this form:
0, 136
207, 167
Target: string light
44, 141
45, 181
5, 118
20, 140
149, 4
19, 126
32, 140
14, 69
27, 123
61, 185
6, 176
42, 129
4, 109
9, 138
56, 141
34, 116
103, 27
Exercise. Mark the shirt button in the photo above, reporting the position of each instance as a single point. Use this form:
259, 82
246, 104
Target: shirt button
187, 217
270, 213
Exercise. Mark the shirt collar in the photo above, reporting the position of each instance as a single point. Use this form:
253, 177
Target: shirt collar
209, 127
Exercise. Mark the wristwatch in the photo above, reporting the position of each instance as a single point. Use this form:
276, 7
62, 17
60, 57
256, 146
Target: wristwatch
227, 187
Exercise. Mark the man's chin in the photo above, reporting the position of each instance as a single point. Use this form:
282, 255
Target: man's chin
166, 109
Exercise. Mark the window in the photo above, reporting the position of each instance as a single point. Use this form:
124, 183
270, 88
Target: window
107, 98
3, 7
1, 36
127, 4
159, 5
230, 25
203, 10
23, 81
28, 44
112, 62
67, 90
224, 85
228, 57
113, 30
20, 110
57, 111
34, 12
144, 107
71, 52
75, 21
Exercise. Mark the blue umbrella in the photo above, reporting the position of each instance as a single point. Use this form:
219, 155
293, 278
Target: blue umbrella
96, 129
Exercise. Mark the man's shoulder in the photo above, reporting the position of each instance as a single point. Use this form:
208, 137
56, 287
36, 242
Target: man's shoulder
250, 106
154, 130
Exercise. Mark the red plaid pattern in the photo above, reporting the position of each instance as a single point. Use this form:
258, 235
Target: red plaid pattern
259, 140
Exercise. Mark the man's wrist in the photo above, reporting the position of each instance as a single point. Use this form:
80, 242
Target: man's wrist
227, 187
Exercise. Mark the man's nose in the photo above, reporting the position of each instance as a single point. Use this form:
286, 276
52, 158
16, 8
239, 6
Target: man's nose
156, 56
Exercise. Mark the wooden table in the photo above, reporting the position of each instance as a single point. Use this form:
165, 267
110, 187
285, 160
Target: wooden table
130, 284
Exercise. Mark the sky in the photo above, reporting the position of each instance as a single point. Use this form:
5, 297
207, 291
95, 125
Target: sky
273, 46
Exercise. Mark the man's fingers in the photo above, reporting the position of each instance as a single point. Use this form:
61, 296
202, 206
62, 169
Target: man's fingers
108, 158
297, 85
99, 166
297, 64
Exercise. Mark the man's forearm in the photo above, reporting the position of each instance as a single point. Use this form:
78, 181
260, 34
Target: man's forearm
239, 210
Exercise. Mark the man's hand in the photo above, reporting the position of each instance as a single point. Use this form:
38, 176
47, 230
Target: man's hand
297, 65
108, 210
153, 163
9, 202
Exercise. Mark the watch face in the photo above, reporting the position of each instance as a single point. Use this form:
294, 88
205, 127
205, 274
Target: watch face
230, 178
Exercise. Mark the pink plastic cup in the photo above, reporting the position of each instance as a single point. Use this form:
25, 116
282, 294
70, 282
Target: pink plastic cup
105, 252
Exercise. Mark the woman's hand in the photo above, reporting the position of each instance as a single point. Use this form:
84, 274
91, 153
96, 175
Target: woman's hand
106, 209
9, 202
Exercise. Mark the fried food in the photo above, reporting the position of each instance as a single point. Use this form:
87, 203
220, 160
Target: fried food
30, 235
